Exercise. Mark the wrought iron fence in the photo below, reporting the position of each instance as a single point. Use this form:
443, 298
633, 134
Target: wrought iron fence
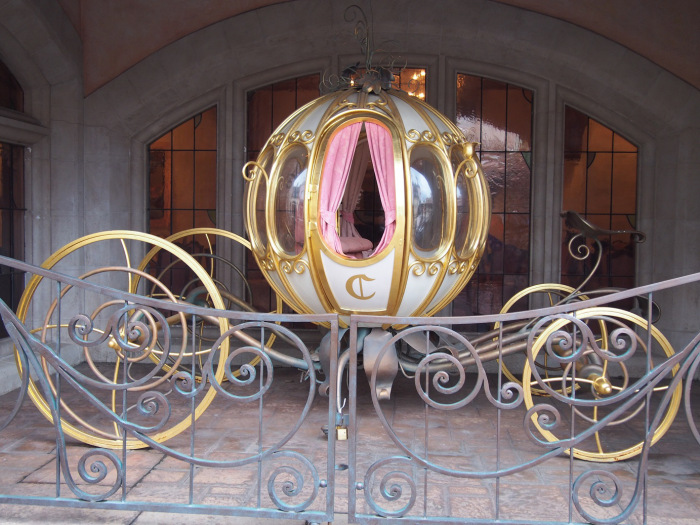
142, 409
514, 443
547, 418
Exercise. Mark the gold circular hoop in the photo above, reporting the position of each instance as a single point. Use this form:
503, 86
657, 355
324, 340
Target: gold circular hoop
552, 290
600, 455
208, 232
88, 436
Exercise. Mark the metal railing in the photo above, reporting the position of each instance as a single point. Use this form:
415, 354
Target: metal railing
486, 447
200, 411
172, 363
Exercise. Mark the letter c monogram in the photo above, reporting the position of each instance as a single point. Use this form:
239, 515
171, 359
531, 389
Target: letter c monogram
350, 287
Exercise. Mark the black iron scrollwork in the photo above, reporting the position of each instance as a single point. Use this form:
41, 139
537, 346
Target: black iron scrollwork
374, 76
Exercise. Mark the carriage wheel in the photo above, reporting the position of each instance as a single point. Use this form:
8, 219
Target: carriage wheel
121, 246
201, 244
617, 440
552, 294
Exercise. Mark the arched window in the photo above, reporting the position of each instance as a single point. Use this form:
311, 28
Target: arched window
183, 176
11, 195
600, 183
182, 186
11, 94
498, 116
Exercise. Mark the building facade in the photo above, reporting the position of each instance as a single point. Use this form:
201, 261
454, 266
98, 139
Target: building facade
86, 157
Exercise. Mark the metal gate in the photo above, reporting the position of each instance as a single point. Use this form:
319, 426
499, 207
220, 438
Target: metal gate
451, 421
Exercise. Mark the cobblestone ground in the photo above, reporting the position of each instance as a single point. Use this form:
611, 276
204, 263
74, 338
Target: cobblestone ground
461, 440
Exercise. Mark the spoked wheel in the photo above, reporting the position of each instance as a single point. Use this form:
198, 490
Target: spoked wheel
205, 245
548, 294
598, 376
122, 334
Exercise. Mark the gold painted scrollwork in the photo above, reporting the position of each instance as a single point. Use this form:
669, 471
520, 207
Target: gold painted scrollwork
344, 104
418, 268
469, 167
252, 169
298, 266
435, 268
414, 136
277, 140
457, 266
380, 104
452, 138
302, 137
267, 263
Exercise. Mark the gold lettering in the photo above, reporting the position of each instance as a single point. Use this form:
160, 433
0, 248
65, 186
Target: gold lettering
350, 287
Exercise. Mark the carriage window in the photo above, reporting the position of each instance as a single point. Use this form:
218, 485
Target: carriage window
498, 116
428, 200
259, 189
369, 214
600, 182
462, 199
289, 200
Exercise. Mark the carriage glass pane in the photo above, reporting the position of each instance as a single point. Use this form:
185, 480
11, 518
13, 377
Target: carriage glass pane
427, 189
289, 200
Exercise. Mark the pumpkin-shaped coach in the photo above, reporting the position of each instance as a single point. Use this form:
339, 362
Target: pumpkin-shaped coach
307, 215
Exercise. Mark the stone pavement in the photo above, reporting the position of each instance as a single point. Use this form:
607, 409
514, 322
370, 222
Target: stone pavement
462, 439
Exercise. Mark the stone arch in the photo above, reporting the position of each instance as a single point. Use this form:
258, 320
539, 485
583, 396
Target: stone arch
487, 34
562, 62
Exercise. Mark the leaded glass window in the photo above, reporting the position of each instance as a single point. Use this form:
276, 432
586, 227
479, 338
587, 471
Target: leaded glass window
182, 187
600, 183
268, 106
11, 196
498, 116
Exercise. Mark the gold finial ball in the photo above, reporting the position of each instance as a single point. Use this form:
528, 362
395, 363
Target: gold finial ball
369, 203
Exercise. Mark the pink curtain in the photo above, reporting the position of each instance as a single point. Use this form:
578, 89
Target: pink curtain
340, 163
336, 169
352, 192
382, 151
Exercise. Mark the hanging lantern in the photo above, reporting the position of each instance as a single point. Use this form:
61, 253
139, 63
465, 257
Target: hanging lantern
315, 234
